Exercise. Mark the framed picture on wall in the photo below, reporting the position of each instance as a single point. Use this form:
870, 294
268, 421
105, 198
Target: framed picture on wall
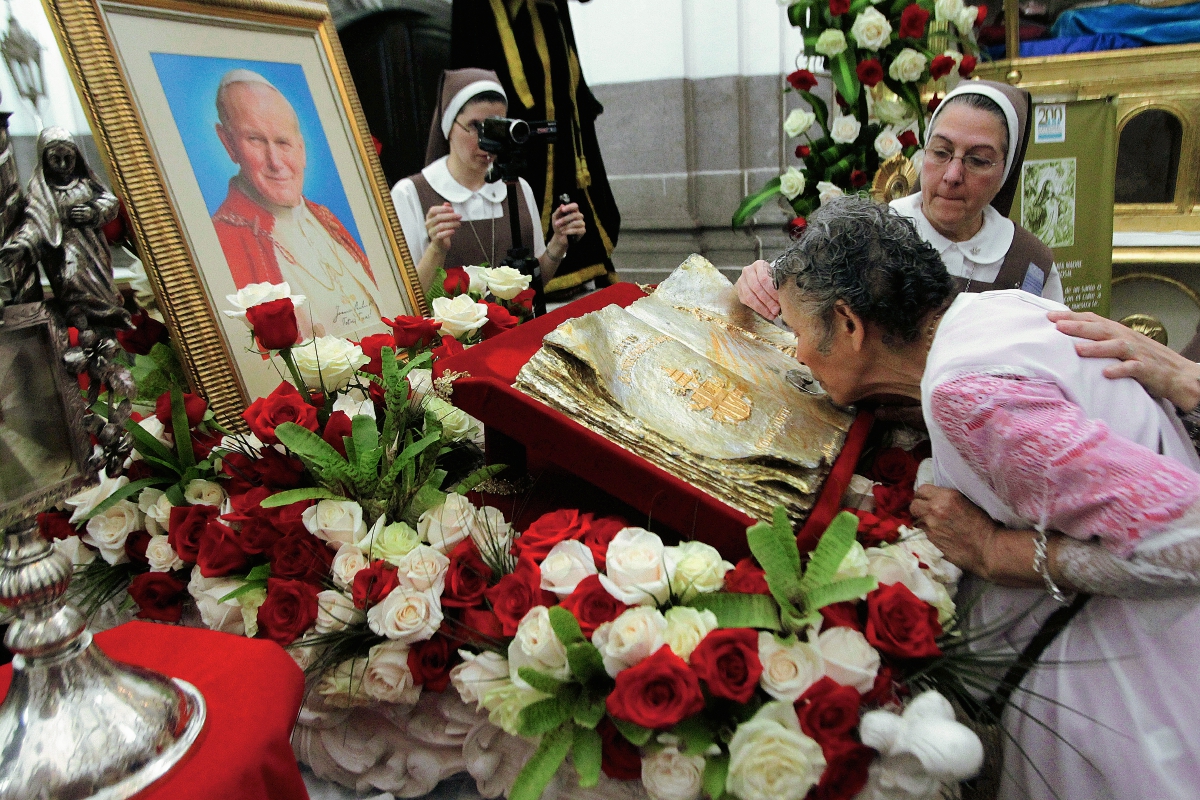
234, 136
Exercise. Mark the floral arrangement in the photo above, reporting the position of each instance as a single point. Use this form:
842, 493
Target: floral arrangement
882, 56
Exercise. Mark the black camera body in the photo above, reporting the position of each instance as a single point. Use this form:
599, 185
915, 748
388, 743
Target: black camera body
502, 135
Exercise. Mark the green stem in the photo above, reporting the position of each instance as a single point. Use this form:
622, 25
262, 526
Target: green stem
297, 378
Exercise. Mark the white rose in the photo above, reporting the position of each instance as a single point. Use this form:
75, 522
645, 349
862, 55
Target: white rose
871, 30
304, 656
153, 503
637, 574
459, 315
155, 427
798, 121
695, 568
892, 110
947, 10
74, 548
248, 604
770, 758
845, 128
328, 363
967, 19
828, 191
254, 294
918, 161
944, 604
479, 674
204, 493
849, 658
389, 542
478, 278
335, 610
446, 525
686, 628
387, 677
406, 615
337, 522
456, 423
346, 564
505, 704
566, 564
670, 775
891, 564
492, 534
887, 145
537, 646
929, 555
342, 686
86, 501
506, 282
791, 183
854, 563
908, 66
107, 532
788, 670
830, 43
161, 556
635, 635
420, 382
207, 592
423, 569
355, 402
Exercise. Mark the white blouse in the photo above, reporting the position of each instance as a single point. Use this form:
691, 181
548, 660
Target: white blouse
485, 204
980, 257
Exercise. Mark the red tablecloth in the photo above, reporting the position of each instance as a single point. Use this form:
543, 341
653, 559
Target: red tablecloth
550, 436
253, 690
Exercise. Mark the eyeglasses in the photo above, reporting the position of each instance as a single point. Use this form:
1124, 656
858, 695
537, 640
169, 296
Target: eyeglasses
472, 129
971, 163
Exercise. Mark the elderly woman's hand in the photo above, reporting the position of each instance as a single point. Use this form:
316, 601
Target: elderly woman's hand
961, 529
1159, 369
756, 289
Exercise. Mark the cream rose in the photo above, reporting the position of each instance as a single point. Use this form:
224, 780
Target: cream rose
478, 280
635, 635
887, 145
335, 610
929, 555
854, 563
328, 363
156, 508
506, 282
355, 402
908, 66
967, 19
695, 568
86, 501
947, 10
406, 616
791, 183
423, 569
448, 524
74, 549
346, 564
456, 423
770, 758
849, 659
108, 531
686, 628
891, 564
387, 677
254, 294
670, 775
336, 522
492, 533
160, 555
565, 566
459, 315
537, 646
204, 493
830, 43
845, 128
871, 30
207, 592
892, 110
505, 704
420, 383
155, 427
788, 669
828, 191
798, 121
636, 571
389, 542
248, 604
342, 686
479, 674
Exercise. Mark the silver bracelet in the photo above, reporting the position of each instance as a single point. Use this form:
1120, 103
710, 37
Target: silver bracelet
1041, 565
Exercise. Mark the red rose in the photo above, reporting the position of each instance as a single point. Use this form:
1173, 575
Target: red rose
858, 178
747, 578
240, 469
55, 525
620, 759
285, 404
893, 465
828, 713
429, 662
592, 605
135, 546
901, 624
727, 661
146, 332
841, 615
658, 692
220, 552
187, 525
374, 583
449, 347
802, 80
598, 534
838, 7
907, 139
457, 281
893, 501
981, 14
203, 443
524, 299
967, 65
841, 101
912, 22
516, 593
795, 227
258, 535
139, 470
274, 324
301, 557
278, 471
845, 772
337, 428
372, 347
289, 519
803, 151
548, 530
941, 66
193, 405
933, 103
159, 596
466, 577
478, 625
885, 690
413, 332
499, 320
289, 610
870, 72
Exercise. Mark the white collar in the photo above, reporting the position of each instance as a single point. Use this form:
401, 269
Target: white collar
987, 246
442, 182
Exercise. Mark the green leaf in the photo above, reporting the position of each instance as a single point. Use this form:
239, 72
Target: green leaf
365, 433
633, 732
839, 592
796, 13
589, 712
175, 495
543, 716
413, 450
566, 627
477, 477
750, 205
842, 70
860, 5
259, 573
735, 610
245, 588
586, 753
539, 680
585, 661
179, 427
819, 109
437, 285
716, 771
696, 735
289, 496
774, 545
306, 444
149, 447
833, 546
541, 766
128, 490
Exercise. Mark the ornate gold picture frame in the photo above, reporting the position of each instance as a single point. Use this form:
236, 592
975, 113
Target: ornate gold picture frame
148, 73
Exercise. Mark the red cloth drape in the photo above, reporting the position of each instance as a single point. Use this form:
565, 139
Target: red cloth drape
253, 691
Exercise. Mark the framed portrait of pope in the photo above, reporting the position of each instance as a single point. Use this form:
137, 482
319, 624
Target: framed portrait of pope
234, 136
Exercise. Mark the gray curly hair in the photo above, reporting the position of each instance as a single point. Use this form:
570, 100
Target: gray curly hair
870, 257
